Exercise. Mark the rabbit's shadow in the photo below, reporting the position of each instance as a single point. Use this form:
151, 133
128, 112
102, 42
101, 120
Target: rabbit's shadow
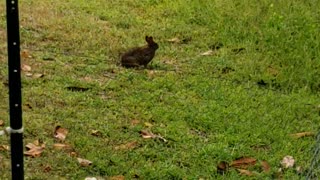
158, 67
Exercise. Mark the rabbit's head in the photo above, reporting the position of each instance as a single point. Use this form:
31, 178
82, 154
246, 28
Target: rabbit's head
151, 43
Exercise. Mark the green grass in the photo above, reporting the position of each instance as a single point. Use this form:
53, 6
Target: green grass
210, 108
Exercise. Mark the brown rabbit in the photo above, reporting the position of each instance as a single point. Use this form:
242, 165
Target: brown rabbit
141, 55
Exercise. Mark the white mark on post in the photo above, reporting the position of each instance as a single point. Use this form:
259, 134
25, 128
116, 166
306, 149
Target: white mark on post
16, 105
14, 43
18, 165
13, 2
15, 70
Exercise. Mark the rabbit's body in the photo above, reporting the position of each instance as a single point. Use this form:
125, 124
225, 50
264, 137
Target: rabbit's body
140, 56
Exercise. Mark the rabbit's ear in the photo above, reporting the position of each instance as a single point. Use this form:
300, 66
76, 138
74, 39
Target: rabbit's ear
149, 39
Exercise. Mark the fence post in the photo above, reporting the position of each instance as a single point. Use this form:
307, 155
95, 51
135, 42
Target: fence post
16, 129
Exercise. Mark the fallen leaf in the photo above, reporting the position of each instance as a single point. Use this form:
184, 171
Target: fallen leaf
4, 148
243, 162
1, 122
127, 146
96, 133
287, 162
25, 54
299, 170
222, 167
60, 133
265, 166
73, 154
84, 162
38, 75
302, 134
208, 53
90, 178
146, 134
25, 68
174, 40
119, 177
147, 124
182, 41
34, 150
36, 142
135, 122
28, 105
60, 146
28, 74
151, 73
245, 172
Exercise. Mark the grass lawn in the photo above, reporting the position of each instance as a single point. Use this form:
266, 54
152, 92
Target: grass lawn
230, 79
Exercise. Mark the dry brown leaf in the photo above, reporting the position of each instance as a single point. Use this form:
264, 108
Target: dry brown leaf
60, 146
146, 134
135, 122
90, 178
96, 133
27, 105
4, 148
174, 40
127, 146
222, 167
60, 133
243, 162
25, 68
150, 73
84, 162
207, 53
119, 177
302, 134
299, 169
1, 122
28, 74
287, 162
34, 149
245, 172
38, 75
36, 142
265, 166
25, 54
73, 154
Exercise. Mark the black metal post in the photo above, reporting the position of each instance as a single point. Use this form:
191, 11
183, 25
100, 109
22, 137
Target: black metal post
16, 137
